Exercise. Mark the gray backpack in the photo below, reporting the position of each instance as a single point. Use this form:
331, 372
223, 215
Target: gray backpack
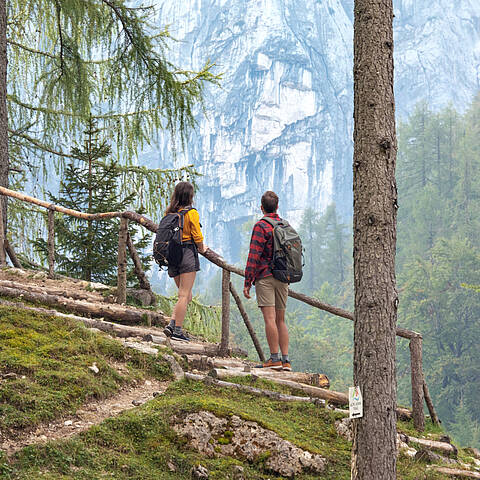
287, 261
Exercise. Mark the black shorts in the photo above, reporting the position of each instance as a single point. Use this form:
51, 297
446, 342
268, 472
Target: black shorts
190, 261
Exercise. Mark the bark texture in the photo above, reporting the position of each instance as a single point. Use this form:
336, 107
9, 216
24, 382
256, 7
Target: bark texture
4, 159
51, 244
122, 262
247, 322
225, 313
417, 383
375, 205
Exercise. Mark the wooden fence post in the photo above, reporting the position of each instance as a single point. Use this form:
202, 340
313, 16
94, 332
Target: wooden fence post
51, 243
417, 383
225, 313
249, 326
122, 261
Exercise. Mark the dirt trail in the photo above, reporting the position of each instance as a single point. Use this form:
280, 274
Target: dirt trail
89, 414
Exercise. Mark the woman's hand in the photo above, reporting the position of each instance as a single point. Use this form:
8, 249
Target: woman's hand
202, 248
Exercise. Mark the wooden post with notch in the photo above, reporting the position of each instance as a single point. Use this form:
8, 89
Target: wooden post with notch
122, 261
247, 322
51, 243
225, 313
417, 383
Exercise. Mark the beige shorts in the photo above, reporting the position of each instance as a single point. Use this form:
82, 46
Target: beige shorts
271, 293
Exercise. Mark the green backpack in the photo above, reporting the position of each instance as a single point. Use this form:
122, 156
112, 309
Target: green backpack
287, 261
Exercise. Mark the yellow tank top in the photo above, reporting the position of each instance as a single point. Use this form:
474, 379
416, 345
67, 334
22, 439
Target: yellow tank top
191, 227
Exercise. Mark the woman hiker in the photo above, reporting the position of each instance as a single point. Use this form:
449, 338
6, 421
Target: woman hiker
184, 274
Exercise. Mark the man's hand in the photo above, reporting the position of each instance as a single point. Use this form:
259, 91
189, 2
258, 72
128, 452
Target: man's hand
246, 292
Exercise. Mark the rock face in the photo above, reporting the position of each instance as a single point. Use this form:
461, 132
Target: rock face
283, 117
235, 437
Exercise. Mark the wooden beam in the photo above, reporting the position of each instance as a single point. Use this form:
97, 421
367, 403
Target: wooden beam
314, 379
282, 397
247, 322
11, 253
118, 313
456, 472
428, 401
142, 278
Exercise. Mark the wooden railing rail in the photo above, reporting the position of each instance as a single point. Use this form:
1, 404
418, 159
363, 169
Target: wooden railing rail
419, 387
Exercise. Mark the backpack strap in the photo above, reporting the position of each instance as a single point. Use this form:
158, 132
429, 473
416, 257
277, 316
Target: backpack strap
271, 221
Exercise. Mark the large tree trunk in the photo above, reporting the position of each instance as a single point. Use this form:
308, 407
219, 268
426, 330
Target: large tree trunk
4, 162
375, 204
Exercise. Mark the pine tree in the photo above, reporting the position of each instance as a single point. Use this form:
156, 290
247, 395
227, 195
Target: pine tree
374, 224
91, 184
72, 59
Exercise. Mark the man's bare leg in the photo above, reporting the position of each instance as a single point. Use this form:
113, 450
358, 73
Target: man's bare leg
282, 331
270, 328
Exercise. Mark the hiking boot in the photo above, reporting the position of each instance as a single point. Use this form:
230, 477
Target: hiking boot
271, 364
168, 331
286, 367
179, 336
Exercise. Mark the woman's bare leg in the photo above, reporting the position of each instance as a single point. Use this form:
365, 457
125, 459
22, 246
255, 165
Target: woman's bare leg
185, 284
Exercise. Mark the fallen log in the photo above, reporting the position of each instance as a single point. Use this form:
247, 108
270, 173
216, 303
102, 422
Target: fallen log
336, 398
203, 362
313, 379
59, 292
456, 472
117, 329
119, 313
256, 391
196, 348
443, 447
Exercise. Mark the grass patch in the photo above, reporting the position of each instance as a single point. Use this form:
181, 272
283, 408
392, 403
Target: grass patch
140, 444
44, 363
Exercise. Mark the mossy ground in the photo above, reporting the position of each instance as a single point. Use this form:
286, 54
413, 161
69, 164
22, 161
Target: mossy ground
54, 354
50, 357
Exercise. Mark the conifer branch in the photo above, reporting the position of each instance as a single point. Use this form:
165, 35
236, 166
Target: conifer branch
39, 145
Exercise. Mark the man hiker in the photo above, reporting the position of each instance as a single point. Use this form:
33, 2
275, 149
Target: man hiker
271, 293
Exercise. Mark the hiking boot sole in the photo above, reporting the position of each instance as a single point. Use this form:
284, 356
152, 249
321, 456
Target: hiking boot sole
167, 331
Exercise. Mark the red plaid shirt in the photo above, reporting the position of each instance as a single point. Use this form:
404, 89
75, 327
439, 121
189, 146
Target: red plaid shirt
261, 251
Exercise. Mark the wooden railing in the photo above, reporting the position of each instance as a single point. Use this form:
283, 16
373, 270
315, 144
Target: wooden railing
419, 387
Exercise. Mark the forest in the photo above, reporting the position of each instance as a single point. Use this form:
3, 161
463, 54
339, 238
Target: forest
437, 265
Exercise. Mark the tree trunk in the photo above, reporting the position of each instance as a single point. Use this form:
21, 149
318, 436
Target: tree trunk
4, 160
375, 204
122, 262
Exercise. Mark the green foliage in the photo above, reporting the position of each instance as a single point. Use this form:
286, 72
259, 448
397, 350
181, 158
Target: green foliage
71, 61
202, 320
327, 244
438, 255
101, 57
49, 358
88, 249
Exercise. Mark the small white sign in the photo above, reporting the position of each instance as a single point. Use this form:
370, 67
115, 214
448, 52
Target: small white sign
355, 402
